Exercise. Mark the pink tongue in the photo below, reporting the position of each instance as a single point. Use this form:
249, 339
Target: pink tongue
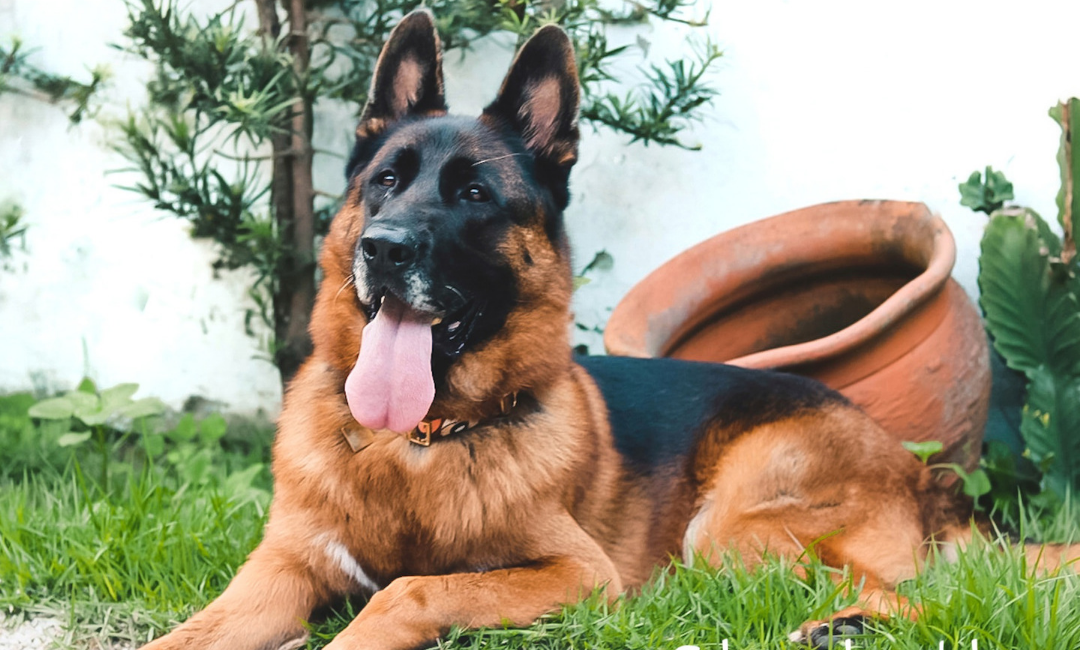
391, 386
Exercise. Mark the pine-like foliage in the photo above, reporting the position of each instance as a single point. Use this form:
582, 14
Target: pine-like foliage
225, 140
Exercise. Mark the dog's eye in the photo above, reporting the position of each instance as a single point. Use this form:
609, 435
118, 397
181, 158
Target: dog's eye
476, 193
386, 178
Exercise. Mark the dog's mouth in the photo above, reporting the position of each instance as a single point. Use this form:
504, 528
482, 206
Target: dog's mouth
450, 327
392, 385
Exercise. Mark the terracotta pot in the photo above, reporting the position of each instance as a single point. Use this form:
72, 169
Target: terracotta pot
857, 294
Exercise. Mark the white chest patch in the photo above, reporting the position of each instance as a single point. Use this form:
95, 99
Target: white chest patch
344, 560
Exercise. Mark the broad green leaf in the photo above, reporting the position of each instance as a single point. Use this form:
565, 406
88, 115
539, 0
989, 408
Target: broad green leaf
1046, 500
1063, 330
117, 397
155, 444
70, 439
212, 428
977, 484
186, 429
1008, 476
1050, 426
195, 467
82, 402
999, 188
57, 408
924, 450
960, 471
985, 197
971, 192
1050, 240
1073, 281
142, 408
1034, 319
88, 408
94, 418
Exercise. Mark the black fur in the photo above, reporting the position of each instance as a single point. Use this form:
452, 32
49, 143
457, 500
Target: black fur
435, 161
659, 407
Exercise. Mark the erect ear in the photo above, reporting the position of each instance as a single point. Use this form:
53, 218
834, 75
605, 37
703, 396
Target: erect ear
408, 76
539, 97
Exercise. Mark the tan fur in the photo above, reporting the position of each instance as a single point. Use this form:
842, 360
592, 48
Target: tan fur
541, 111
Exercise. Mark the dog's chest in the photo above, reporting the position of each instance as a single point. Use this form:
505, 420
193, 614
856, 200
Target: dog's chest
432, 511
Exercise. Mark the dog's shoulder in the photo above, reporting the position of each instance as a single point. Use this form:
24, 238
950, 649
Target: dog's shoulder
658, 408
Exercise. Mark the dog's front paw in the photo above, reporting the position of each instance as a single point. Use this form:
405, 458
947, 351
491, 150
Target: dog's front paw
233, 638
821, 635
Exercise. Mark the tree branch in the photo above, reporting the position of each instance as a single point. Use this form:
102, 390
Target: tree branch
269, 25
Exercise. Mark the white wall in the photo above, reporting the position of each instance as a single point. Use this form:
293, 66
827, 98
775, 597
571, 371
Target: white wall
104, 272
820, 101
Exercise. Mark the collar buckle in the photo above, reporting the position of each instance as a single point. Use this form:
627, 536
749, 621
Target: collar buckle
421, 435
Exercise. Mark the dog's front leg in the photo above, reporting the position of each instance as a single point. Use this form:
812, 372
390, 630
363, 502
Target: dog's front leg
413, 612
263, 608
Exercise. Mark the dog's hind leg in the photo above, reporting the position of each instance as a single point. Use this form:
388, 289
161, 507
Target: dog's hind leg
878, 569
828, 484
881, 565
877, 566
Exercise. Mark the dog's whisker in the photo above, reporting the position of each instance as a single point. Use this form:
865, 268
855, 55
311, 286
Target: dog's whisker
795, 539
487, 160
458, 293
348, 280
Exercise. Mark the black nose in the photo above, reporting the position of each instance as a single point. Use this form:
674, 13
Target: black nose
386, 249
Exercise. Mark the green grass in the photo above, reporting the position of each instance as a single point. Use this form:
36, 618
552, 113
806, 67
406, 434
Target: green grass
986, 597
127, 562
133, 559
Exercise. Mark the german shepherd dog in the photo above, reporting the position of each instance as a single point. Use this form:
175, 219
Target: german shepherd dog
444, 452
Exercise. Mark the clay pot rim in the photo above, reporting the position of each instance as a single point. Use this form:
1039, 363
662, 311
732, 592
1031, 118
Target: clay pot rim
892, 310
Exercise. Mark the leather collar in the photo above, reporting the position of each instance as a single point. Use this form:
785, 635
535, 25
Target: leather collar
430, 429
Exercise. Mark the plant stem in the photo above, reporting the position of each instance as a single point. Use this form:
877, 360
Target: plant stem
103, 447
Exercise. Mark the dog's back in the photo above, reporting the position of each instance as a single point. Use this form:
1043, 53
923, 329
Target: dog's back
659, 408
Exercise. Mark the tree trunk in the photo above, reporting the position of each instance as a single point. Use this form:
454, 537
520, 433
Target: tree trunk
298, 286
292, 199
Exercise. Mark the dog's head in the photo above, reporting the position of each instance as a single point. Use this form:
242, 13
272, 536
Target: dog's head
452, 236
